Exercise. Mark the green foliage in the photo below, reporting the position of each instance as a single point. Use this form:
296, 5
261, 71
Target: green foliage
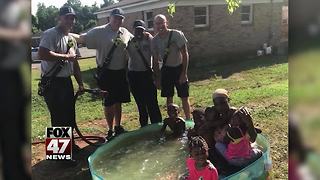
35, 24
171, 9
233, 5
46, 17
107, 3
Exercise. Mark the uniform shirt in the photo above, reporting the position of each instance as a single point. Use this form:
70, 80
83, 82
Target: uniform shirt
55, 40
101, 38
177, 41
208, 173
136, 63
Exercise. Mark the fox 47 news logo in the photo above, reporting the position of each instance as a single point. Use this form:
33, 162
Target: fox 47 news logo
58, 143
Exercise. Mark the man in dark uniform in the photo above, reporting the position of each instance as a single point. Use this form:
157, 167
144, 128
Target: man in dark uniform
140, 75
113, 77
58, 49
171, 55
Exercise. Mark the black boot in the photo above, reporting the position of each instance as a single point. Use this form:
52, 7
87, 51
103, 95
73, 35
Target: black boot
109, 135
119, 130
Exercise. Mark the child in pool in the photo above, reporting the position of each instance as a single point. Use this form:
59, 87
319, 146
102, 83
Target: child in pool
199, 120
242, 118
175, 123
237, 150
199, 167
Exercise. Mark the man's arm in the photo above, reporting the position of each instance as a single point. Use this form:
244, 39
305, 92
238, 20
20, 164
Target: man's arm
79, 38
185, 62
155, 64
77, 75
19, 33
47, 55
156, 70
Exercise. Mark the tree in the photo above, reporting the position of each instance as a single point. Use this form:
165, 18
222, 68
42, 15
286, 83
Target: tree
74, 3
35, 24
46, 16
107, 3
232, 6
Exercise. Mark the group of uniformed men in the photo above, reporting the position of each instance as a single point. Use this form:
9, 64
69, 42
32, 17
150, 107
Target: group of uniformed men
153, 62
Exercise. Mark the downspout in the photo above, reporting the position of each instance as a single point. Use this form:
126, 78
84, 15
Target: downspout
270, 35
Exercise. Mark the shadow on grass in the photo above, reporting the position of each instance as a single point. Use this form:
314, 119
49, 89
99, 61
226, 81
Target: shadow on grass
65, 169
207, 68
87, 77
201, 69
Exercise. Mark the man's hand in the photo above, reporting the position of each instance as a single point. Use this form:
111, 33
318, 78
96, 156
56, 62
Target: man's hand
79, 38
183, 78
103, 93
71, 57
81, 89
157, 83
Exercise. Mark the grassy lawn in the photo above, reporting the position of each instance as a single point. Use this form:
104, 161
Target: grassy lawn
260, 84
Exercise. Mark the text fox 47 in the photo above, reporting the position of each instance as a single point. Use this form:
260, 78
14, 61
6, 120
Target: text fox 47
58, 143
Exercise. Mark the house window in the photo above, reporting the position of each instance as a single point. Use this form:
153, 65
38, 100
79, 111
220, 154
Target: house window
148, 19
201, 17
246, 14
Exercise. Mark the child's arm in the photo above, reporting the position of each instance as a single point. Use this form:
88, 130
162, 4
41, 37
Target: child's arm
165, 124
183, 124
215, 175
252, 133
180, 127
213, 171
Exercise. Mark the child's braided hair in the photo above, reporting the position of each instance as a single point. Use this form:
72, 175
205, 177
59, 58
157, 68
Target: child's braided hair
198, 142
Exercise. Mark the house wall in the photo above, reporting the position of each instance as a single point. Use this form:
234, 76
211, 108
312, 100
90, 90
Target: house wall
225, 35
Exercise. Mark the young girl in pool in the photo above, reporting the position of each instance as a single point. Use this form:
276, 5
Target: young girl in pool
199, 167
234, 142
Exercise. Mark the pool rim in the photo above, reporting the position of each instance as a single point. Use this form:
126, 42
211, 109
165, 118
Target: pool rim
266, 154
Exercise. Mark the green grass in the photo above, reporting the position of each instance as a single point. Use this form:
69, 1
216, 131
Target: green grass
261, 84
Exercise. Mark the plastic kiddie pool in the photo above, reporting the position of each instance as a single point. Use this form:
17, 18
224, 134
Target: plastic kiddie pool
256, 170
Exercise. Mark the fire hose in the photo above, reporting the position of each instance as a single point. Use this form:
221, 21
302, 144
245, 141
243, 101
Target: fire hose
87, 139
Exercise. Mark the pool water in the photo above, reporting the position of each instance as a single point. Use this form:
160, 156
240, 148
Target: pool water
146, 158
140, 154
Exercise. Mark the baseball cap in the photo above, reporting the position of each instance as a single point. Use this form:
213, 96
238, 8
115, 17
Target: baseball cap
220, 93
139, 24
117, 12
66, 10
